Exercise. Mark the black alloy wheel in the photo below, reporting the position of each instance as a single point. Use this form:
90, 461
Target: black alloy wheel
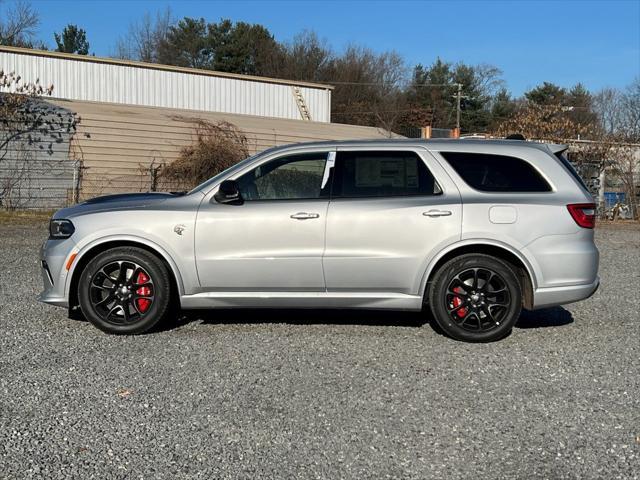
476, 298
121, 292
124, 290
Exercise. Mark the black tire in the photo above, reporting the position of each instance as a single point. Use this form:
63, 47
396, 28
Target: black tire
124, 290
483, 311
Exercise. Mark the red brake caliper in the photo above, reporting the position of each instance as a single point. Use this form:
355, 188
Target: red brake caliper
143, 304
457, 301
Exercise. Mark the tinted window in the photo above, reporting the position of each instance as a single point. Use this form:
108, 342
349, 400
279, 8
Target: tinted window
496, 173
382, 174
287, 178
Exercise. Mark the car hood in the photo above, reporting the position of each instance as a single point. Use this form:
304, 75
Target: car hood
124, 201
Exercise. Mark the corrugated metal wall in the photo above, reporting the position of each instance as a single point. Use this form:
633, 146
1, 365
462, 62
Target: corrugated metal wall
134, 83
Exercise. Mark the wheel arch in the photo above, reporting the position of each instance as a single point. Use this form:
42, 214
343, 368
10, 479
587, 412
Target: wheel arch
522, 267
90, 251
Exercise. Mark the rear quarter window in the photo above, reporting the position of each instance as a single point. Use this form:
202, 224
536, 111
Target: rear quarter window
496, 173
574, 173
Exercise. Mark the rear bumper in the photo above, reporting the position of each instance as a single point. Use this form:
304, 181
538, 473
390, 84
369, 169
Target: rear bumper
553, 296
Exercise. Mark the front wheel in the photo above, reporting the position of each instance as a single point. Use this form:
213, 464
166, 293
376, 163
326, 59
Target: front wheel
124, 290
476, 298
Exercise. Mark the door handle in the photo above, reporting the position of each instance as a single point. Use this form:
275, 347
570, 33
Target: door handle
304, 216
437, 213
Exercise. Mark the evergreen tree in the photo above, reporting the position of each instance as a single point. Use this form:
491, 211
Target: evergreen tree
547, 94
186, 45
580, 101
72, 40
434, 89
503, 106
241, 47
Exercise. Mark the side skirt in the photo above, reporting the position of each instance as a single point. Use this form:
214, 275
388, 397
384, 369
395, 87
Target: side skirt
363, 300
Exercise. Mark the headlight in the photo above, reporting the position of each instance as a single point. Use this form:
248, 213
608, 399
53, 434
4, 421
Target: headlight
60, 229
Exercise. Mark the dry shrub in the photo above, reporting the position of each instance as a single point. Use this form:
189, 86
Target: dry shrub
543, 122
217, 147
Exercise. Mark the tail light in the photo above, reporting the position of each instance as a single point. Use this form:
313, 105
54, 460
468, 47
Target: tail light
584, 214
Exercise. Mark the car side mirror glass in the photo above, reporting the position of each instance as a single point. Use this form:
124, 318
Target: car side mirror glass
229, 193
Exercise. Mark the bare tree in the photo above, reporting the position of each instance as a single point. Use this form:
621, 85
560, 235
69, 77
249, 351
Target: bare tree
30, 129
144, 38
368, 87
631, 111
619, 111
619, 117
607, 103
625, 166
307, 58
18, 25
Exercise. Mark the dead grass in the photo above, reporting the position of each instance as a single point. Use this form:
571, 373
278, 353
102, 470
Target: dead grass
618, 224
22, 217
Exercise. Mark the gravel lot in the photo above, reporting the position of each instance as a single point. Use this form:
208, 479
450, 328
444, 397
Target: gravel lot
338, 395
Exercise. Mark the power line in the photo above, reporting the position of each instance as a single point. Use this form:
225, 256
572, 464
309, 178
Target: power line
458, 106
426, 108
382, 84
365, 112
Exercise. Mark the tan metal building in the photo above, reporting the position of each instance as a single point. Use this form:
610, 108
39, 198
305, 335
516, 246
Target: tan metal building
118, 145
130, 117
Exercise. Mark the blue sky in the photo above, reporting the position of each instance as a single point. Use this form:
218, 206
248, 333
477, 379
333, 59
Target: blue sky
595, 42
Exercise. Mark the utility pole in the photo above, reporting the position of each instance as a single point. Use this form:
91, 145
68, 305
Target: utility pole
458, 100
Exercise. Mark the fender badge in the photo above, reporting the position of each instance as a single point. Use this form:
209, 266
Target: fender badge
179, 229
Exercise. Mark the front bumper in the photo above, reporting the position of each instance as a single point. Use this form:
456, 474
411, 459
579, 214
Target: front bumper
54, 255
554, 296
46, 297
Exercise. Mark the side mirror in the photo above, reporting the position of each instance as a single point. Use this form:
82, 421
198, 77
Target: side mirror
229, 193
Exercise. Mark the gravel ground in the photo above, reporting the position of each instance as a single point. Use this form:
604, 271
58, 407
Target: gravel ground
338, 395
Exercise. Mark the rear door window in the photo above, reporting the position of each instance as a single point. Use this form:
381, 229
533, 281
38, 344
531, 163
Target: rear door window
381, 174
496, 173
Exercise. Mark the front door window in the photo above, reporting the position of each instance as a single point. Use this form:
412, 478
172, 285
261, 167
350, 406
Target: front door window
297, 177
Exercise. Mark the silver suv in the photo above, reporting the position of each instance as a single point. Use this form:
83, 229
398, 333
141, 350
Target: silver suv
475, 229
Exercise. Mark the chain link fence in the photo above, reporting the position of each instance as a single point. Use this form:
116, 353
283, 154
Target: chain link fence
36, 170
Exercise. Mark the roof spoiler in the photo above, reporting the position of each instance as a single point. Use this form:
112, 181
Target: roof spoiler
557, 148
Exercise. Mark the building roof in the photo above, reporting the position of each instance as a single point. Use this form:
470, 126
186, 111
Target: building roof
277, 131
157, 66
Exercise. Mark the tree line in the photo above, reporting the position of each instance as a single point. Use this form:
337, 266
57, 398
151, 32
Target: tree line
371, 88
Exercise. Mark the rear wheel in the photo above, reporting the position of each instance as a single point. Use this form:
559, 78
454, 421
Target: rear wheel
124, 290
476, 298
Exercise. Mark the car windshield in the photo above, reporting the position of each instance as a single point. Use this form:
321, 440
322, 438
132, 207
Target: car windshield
206, 184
